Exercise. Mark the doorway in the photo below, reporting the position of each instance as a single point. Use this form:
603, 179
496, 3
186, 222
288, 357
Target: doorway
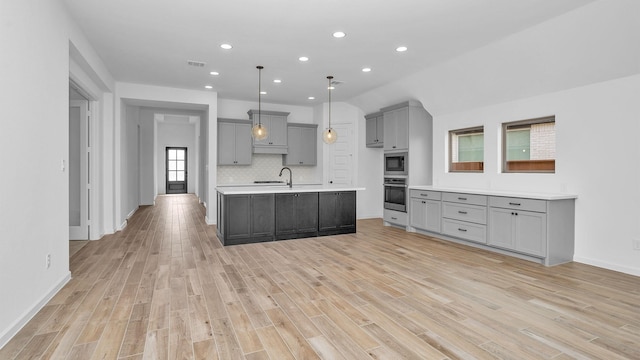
176, 170
340, 156
79, 121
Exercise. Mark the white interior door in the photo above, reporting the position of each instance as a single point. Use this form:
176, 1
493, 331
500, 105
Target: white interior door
340, 156
78, 170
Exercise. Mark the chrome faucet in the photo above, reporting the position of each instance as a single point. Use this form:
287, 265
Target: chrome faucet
290, 183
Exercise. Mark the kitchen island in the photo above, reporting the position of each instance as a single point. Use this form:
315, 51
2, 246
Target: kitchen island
249, 214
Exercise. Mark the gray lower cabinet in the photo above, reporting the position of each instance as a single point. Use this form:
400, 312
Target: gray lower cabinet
303, 143
425, 209
337, 212
534, 229
234, 142
246, 218
296, 215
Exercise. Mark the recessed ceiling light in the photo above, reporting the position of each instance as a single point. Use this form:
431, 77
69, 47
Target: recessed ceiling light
366, 69
208, 87
339, 34
311, 98
401, 48
303, 58
226, 46
277, 81
331, 87
214, 73
263, 93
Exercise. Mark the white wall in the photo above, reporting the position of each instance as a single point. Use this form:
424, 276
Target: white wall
37, 36
561, 67
130, 155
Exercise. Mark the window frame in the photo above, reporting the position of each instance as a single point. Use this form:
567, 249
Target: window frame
523, 123
464, 131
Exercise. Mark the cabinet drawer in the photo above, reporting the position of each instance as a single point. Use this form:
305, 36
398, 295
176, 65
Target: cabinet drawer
465, 198
395, 217
465, 230
426, 194
518, 203
473, 213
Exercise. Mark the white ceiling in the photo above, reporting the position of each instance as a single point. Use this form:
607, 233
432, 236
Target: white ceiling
150, 42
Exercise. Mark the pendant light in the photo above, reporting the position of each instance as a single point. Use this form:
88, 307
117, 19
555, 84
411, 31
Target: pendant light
258, 131
329, 136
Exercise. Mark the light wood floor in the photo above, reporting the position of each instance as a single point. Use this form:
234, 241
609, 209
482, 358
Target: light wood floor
164, 288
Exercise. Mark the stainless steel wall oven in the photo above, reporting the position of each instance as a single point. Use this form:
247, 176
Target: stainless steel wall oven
395, 194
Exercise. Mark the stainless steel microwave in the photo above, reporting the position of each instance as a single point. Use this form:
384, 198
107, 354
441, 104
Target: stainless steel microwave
396, 163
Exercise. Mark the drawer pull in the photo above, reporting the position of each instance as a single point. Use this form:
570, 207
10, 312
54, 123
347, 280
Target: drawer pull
514, 204
462, 198
394, 218
424, 194
461, 229
462, 212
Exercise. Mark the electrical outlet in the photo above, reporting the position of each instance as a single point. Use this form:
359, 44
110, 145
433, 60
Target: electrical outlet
48, 261
636, 244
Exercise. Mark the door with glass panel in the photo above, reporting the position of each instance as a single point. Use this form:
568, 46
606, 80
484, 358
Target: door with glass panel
176, 170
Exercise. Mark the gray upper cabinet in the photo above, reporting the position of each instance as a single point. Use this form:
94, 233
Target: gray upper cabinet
276, 124
375, 130
396, 127
303, 143
234, 142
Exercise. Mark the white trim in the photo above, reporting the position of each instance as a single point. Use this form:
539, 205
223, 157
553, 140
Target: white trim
208, 221
607, 265
30, 313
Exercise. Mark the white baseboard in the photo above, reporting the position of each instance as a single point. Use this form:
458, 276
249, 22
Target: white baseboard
12, 330
209, 221
609, 266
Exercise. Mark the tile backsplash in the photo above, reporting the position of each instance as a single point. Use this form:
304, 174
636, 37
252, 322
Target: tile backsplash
264, 167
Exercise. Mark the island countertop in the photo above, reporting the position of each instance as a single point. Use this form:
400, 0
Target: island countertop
283, 189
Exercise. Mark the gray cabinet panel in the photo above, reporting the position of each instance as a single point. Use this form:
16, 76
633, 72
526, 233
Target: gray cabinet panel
276, 124
296, 215
337, 212
303, 142
246, 218
396, 129
234, 142
425, 214
238, 213
374, 130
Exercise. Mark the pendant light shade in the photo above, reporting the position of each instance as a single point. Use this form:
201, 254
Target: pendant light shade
259, 131
329, 136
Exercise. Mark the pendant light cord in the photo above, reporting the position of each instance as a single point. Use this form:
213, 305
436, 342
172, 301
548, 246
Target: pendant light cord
329, 87
259, 67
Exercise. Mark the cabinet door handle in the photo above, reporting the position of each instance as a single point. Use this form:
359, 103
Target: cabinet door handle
462, 198
462, 212
514, 204
424, 202
393, 146
461, 229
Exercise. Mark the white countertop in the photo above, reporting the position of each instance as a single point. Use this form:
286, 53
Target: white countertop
518, 194
282, 189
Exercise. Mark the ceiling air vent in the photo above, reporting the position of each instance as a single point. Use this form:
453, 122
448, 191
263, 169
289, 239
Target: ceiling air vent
196, 63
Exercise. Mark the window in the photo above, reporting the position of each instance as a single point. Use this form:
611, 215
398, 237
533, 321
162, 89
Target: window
466, 150
529, 145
